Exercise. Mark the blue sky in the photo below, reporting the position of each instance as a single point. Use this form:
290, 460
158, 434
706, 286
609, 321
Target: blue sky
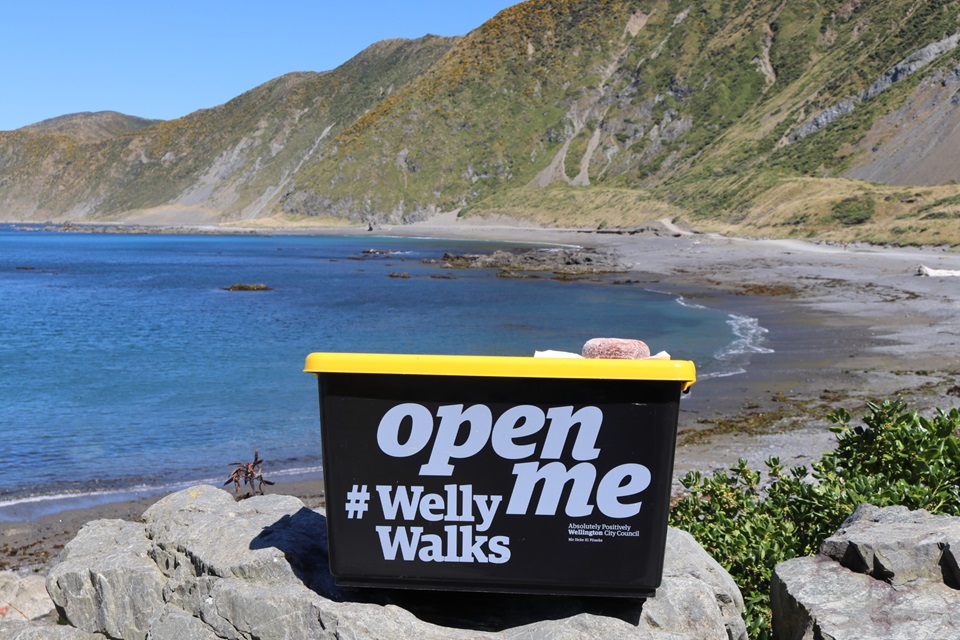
167, 59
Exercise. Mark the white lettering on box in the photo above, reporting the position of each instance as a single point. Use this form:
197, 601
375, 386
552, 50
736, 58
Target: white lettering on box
612, 488
554, 476
464, 432
562, 419
509, 428
452, 417
388, 433
457, 544
458, 432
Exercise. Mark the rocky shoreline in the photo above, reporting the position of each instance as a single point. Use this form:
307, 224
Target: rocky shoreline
200, 565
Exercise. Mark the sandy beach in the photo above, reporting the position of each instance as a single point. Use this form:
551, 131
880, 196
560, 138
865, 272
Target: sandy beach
846, 325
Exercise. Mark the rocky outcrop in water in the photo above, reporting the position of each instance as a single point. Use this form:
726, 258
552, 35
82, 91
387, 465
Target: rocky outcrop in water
205, 567
573, 260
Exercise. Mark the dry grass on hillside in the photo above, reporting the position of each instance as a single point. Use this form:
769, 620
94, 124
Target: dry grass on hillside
838, 210
572, 207
849, 210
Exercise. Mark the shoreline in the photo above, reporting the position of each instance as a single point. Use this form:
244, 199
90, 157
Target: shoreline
846, 326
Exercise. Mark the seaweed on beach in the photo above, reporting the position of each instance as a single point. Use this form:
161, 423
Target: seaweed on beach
249, 473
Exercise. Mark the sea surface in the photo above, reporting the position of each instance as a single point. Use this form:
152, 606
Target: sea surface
126, 369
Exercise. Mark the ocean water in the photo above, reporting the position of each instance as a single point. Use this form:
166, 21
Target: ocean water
126, 369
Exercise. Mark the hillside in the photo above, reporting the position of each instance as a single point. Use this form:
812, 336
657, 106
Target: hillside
232, 160
835, 119
90, 127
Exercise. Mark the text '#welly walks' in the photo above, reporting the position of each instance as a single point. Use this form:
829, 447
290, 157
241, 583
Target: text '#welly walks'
534, 482
531, 437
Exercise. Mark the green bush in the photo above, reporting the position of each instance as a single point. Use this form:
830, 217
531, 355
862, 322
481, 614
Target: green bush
853, 211
896, 458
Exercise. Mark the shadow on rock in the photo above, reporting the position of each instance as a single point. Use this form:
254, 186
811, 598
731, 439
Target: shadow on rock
302, 537
497, 612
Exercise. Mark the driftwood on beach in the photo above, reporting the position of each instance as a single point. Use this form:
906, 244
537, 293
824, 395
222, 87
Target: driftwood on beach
924, 270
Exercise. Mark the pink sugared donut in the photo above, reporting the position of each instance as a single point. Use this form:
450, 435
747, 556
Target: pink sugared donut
618, 348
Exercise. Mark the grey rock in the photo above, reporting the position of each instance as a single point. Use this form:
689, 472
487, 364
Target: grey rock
27, 631
23, 596
201, 534
952, 78
887, 573
897, 545
237, 609
903, 69
175, 624
106, 582
825, 117
205, 532
688, 568
577, 260
911, 64
204, 566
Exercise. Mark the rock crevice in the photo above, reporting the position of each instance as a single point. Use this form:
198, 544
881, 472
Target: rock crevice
887, 574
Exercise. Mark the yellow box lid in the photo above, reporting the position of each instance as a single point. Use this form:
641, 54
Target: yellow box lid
682, 371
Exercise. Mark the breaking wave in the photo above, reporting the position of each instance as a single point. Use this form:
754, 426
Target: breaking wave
748, 339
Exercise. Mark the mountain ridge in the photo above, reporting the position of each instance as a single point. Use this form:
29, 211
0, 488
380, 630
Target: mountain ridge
834, 119
90, 126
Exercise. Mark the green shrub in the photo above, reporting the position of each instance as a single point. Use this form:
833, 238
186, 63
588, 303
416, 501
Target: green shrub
896, 458
853, 211
941, 215
942, 202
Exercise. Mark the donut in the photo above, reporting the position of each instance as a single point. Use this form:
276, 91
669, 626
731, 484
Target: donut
615, 348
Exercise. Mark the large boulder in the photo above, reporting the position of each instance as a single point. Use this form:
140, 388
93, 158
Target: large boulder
203, 566
120, 590
23, 596
887, 574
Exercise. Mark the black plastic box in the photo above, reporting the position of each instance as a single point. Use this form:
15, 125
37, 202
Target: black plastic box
497, 474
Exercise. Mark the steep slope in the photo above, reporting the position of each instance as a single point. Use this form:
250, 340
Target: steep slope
234, 158
846, 75
717, 107
491, 113
925, 154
